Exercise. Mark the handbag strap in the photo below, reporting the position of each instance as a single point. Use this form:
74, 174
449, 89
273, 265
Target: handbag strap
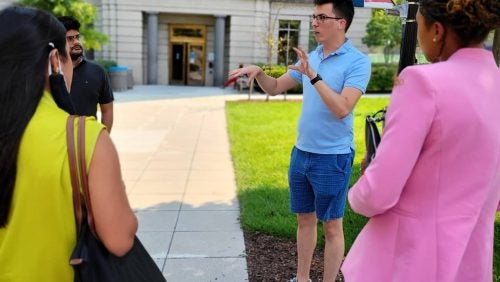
79, 175
84, 176
73, 168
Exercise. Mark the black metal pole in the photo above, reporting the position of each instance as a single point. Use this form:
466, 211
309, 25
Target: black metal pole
496, 46
409, 38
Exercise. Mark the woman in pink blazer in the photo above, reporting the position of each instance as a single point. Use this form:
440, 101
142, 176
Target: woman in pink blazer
432, 191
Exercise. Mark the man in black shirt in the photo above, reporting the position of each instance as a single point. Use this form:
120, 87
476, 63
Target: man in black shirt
90, 85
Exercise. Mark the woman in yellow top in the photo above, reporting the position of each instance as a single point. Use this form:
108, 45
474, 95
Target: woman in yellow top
37, 225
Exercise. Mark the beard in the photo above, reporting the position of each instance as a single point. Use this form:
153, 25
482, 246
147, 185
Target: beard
76, 53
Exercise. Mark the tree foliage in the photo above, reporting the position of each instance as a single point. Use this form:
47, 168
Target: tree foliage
384, 31
83, 11
270, 41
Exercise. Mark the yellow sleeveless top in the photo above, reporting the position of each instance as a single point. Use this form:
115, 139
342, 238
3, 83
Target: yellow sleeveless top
40, 235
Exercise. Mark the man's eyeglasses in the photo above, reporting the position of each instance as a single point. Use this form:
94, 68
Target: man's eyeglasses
72, 38
323, 18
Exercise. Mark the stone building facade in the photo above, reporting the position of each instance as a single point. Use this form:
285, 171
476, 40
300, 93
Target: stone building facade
196, 42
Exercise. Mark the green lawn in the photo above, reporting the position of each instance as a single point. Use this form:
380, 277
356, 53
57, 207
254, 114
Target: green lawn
262, 135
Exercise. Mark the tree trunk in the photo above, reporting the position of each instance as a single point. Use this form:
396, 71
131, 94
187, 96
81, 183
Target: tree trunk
496, 46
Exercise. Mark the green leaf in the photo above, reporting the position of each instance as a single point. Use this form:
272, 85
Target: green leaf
84, 12
383, 31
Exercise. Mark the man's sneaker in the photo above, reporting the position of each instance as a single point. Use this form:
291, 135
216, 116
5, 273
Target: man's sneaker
294, 279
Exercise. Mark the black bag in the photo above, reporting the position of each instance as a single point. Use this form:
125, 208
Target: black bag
372, 135
90, 259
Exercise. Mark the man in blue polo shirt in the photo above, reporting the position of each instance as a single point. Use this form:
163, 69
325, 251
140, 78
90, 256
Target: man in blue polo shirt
334, 76
90, 85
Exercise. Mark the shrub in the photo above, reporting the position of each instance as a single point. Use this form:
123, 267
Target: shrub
382, 79
277, 71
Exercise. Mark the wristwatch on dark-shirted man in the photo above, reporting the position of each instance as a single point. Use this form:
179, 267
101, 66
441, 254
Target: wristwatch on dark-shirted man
316, 79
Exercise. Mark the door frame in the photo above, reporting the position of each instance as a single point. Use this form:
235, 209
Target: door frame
187, 41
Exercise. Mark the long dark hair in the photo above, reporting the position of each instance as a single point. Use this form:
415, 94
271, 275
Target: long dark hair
25, 34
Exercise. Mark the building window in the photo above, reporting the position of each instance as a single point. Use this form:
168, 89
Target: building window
312, 39
288, 37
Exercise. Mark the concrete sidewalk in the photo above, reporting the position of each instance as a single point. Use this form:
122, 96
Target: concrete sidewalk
174, 152
176, 164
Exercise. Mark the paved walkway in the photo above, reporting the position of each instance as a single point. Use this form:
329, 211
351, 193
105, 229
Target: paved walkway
176, 164
177, 167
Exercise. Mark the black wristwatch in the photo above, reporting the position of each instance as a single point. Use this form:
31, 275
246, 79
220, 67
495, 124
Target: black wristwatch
316, 79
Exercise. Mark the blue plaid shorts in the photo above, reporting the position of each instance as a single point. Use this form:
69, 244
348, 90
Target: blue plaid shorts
319, 182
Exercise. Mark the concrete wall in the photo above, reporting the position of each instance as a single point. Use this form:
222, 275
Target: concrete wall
4, 3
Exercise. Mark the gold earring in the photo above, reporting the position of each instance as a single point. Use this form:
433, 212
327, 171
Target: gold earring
434, 39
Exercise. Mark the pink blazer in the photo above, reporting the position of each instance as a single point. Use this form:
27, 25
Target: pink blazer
433, 189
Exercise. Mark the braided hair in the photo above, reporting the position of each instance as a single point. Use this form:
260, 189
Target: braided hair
471, 20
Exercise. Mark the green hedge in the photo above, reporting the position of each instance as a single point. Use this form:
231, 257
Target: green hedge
277, 71
381, 81
382, 78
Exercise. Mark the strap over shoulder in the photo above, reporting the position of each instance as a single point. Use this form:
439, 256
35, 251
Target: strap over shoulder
78, 171
73, 168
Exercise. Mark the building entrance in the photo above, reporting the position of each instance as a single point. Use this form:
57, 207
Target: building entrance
187, 53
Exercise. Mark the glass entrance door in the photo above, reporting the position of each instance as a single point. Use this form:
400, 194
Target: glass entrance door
178, 64
195, 71
187, 49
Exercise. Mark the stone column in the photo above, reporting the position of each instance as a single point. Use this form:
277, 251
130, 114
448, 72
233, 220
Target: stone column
220, 26
152, 48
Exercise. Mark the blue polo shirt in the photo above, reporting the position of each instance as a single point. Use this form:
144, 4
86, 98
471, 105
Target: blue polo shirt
319, 131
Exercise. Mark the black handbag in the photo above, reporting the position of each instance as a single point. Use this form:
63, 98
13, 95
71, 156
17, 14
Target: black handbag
90, 259
372, 135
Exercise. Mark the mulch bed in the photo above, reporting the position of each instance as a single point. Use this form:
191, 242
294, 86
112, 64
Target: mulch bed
270, 258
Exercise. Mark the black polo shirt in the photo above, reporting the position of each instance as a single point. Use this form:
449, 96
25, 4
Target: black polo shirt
90, 87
